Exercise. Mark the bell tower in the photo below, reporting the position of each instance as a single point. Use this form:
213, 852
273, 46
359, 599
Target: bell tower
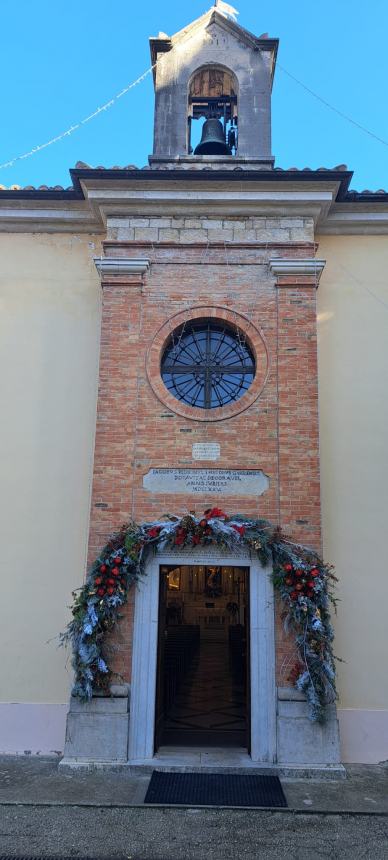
213, 83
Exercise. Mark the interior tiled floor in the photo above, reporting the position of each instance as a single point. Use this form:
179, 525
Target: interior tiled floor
210, 706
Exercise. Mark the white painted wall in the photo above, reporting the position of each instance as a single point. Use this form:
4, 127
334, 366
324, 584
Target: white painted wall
353, 390
49, 341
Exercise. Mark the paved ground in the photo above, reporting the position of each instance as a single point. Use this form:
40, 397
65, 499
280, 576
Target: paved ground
27, 780
191, 834
101, 815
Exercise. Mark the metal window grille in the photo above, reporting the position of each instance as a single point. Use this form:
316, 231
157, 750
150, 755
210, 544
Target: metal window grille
207, 364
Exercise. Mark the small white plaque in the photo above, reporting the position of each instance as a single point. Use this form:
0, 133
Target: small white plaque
206, 451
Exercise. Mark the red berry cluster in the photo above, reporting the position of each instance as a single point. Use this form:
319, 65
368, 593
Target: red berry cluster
215, 513
240, 529
195, 532
299, 581
154, 531
109, 577
180, 536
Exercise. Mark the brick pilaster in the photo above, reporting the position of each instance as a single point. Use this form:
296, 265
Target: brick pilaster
298, 434
121, 280
298, 431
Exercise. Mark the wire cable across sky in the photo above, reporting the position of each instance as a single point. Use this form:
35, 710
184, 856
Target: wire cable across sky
81, 122
141, 78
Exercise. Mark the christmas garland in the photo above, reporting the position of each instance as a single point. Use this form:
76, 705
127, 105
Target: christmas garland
302, 580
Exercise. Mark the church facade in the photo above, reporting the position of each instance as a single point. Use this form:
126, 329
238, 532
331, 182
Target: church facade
205, 332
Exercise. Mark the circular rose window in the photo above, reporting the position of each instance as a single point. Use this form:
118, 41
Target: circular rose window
207, 364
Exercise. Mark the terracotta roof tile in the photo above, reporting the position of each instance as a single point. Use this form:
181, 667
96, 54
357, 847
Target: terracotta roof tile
350, 195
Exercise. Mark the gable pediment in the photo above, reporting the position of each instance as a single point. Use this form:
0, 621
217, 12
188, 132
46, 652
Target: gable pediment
213, 24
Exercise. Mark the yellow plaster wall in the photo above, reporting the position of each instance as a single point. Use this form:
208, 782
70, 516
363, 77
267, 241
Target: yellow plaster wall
49, 337
49, 341
353, 390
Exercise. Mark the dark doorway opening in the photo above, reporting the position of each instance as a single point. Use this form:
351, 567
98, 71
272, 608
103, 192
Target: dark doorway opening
202, 695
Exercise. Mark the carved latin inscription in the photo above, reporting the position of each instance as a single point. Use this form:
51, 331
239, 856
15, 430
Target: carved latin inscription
230, 482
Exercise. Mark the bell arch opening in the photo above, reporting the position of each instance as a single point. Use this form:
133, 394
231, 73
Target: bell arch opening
212, 113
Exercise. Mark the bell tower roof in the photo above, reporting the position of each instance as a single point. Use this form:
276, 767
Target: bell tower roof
162, 43
213, 69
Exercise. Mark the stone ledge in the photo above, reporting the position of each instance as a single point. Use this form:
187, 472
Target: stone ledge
290, 694
213, 162
296, 267
291, 772
121, 266
100, 705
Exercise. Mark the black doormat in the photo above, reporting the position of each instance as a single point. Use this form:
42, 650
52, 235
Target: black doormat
214, 789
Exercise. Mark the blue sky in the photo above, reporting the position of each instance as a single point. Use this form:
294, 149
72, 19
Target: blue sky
61, 60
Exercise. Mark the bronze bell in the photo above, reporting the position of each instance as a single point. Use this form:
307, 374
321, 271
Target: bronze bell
213, 140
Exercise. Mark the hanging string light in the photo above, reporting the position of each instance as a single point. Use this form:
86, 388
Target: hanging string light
82, 122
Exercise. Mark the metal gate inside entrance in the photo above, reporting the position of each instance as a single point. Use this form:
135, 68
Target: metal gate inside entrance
202, 685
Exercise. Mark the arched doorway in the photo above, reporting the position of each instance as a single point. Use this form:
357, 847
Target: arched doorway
260, 726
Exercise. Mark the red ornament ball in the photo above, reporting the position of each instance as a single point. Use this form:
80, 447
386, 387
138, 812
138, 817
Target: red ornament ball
115, 571
110, 581
299, 572
100, 592
294, 595
110, 590
310, 584
117, 560
314, 571
299, 586
288, 568
288, 580
98, 580
239, 529
103, 568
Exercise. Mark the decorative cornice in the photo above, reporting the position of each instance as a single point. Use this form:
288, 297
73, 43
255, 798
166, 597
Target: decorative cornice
296, 267
98, 194
121, 266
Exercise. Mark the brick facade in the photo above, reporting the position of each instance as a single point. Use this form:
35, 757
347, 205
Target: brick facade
220, 266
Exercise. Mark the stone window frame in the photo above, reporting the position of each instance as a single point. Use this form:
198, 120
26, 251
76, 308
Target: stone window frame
256, 342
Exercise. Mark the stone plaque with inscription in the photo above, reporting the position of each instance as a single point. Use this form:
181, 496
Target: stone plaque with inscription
226, 482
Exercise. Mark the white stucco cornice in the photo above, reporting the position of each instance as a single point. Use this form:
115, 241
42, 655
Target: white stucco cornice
99, 195
121, 266
165, 197
347, 219
296, 267
34, 216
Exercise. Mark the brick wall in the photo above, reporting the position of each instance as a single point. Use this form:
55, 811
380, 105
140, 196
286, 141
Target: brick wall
195, 262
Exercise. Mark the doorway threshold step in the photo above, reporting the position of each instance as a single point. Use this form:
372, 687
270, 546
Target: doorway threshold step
182, 760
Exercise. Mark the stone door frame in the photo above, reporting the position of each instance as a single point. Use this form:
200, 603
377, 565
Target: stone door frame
262, 651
